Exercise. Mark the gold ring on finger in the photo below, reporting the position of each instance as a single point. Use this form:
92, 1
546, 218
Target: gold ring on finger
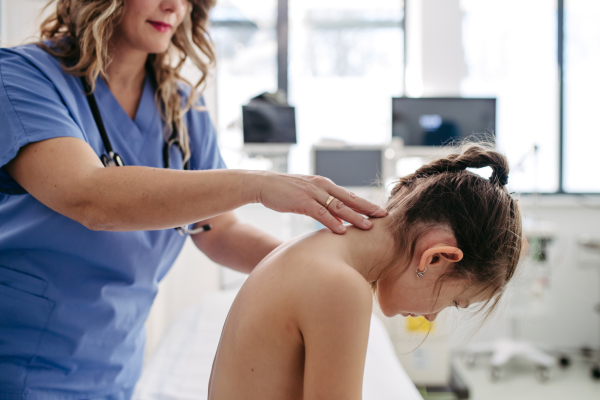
329, 200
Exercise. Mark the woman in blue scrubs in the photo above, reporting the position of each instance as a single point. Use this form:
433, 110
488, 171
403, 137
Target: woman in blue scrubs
83, 246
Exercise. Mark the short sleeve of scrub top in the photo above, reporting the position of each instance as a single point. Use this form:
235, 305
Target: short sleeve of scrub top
73, 301
32, 109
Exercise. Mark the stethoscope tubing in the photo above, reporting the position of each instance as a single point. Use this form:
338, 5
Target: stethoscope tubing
114, 159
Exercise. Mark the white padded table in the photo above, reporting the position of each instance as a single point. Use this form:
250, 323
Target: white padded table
180, 367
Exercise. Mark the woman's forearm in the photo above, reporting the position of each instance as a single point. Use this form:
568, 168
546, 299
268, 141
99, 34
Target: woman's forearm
66, 175
142, 198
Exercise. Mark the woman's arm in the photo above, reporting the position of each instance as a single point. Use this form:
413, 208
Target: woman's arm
334, 320
234, 244
66, 175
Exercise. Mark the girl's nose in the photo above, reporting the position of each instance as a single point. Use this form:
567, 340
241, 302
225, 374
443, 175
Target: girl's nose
430, 317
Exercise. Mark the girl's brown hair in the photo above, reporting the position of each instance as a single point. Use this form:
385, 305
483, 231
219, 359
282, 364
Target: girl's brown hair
80, 32
482, 215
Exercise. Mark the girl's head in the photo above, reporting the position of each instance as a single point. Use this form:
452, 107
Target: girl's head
84, 34
465, 230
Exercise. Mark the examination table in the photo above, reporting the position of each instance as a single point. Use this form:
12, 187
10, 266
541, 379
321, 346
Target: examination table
180, 367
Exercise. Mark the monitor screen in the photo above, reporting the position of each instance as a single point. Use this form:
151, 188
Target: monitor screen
435, 121
269, 124
350, 168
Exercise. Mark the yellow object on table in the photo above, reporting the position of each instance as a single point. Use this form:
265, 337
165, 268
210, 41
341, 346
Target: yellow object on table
419, 325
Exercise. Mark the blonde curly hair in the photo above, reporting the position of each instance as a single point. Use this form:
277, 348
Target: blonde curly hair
80, 31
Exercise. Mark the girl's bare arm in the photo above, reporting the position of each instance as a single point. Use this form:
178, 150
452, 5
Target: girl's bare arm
334, 321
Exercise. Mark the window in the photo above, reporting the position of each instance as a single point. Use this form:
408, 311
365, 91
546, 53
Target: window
510, 53
582, 96
346, 61
345, 65
245, 37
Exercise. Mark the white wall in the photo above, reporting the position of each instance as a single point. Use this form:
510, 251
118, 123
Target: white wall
21, 20
443, 65
435, 56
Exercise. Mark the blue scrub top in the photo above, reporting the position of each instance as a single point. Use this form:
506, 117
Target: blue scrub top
73, 301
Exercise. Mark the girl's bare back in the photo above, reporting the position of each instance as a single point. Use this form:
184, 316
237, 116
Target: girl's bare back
298, 328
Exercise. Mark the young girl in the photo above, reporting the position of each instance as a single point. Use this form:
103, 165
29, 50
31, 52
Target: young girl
299, 326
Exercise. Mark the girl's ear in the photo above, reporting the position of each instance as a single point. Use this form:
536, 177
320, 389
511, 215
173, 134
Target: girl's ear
439, 254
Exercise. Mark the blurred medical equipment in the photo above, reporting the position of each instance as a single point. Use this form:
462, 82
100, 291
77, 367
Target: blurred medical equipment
426, 128
350, 165
180, 367
370, 170
423, 350
589, 254
529, 288
367, 170
269, 127
268, 118
437, 121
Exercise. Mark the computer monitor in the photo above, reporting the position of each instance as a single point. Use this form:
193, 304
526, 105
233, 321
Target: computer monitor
356, 166
435, 121
269, 124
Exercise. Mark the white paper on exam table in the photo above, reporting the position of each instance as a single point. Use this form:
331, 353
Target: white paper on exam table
180, 367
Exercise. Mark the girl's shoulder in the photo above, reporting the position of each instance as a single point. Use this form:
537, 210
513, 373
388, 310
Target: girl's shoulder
321, 278
336, 287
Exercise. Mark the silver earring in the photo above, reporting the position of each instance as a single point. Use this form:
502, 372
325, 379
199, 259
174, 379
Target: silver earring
419, 273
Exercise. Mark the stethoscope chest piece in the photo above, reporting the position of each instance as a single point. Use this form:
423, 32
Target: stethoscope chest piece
114, 161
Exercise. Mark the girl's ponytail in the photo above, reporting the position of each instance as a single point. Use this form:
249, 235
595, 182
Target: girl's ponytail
473, 156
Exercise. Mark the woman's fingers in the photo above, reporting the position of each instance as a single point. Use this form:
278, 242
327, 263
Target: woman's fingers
320, 213
339, 210
356, 203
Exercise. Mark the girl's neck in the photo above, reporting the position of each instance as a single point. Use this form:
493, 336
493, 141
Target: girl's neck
369, 252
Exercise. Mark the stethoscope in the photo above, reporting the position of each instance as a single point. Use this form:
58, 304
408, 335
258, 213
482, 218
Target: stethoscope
113, 159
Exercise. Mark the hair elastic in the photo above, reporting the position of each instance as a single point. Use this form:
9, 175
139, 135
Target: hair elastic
501, 179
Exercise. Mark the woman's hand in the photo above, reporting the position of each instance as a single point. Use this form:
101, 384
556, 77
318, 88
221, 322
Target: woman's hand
304, 194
